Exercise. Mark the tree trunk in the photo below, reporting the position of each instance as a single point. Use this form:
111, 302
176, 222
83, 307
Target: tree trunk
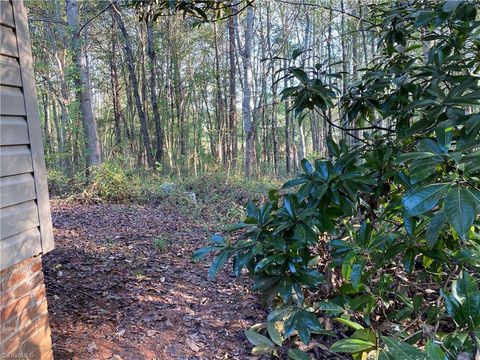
152, 55
117, 111
344, 49
219, 102
232, 115
274, 120
329, 52
134, 82
364, 37
83, 85
247, 103
288, 160
301, 133
46, 126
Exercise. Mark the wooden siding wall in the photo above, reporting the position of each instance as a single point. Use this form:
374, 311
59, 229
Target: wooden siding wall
25, 222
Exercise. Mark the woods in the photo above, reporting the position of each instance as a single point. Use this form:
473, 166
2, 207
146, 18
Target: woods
328, 150
126, 84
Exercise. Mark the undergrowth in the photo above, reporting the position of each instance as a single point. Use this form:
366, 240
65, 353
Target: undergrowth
214, 197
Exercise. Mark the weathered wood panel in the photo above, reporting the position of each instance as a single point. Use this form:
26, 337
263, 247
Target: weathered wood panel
34, 129
16, 189
8, 42
19, 247
12, 101
10, 71
18, 218
15, 160
6, 13
13, 131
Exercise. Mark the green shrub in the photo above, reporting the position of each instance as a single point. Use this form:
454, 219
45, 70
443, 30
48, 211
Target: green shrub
58, 182
400, 207
109, 181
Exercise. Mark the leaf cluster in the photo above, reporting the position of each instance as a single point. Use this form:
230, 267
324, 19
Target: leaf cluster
395, 216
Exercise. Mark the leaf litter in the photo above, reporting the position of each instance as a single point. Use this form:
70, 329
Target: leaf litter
113, 294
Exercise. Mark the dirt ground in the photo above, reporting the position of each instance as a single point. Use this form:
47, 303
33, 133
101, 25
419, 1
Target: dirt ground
121, 285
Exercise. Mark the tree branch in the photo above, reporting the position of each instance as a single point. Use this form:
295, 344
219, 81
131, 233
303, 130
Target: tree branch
294, 2
373, 127
96, 16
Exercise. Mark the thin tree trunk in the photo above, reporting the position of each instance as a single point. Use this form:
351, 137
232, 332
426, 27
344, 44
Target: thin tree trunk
219, 102
232, 28
247, 103
329, 52
301, 133
344, 48
134, 82
46, 126
117, 113
159, 153
83, 85
364, 37
288, 160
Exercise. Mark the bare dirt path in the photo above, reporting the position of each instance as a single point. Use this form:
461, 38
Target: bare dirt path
121, 285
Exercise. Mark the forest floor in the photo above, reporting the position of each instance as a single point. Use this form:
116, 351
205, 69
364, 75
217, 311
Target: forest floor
121, 285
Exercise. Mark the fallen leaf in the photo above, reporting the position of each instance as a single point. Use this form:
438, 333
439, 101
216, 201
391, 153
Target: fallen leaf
193, 345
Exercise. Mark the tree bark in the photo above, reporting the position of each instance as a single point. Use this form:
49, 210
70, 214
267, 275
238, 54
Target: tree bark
344, 49
288, 159
117, 112
83, 85
232, 115
247, 103
219, 101
46, 126
134, 81
329, 52
362, 29
152, 55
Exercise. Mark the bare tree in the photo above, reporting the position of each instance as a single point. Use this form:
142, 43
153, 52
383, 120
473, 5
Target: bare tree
83, 86
247, 103
152, 55
232, 115
134, 81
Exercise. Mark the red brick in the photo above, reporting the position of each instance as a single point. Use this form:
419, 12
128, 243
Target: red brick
19, 291
39, 293
13, 268
16, 278
38, 345
33, 313
9, 345
6, 296
13, 274
36, 265
24, 322
8, 328
15, 308
43, 323
35, 282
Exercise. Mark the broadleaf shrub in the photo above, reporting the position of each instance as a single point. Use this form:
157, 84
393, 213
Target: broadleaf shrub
395, 215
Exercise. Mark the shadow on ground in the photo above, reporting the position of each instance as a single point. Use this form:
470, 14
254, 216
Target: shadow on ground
114, 294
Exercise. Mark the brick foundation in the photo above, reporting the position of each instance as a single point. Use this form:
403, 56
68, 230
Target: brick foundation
24, 328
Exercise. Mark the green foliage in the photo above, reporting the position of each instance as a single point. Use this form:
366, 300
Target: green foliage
160, 244
204, 11
403, 203
109, 182
58, 182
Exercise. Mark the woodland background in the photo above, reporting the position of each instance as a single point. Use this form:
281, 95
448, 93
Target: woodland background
184, 97
182, 111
